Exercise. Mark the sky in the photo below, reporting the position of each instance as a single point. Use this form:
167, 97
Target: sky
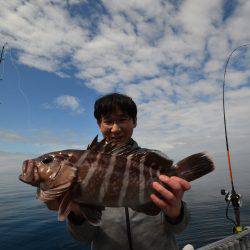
169, 56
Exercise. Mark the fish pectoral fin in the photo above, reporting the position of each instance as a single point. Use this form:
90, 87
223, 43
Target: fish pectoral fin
65, 206
148, 209
95, 223
53, 204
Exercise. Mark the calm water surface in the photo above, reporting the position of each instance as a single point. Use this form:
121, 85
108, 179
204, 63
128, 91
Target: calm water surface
25, 223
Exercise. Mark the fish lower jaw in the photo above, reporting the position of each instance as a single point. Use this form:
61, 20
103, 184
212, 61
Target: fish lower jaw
21, 178
27, 179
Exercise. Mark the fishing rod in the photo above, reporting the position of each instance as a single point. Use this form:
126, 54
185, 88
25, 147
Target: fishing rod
1, 60
2, 56
231, 197
2, 53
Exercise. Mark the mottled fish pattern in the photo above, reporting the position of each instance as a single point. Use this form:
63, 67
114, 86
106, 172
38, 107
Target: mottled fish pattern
102, 176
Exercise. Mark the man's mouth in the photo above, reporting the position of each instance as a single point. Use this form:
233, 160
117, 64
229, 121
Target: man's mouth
116, 138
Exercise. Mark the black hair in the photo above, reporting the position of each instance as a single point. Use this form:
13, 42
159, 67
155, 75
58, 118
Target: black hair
109, 103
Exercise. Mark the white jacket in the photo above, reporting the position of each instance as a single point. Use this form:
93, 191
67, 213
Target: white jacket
147, 232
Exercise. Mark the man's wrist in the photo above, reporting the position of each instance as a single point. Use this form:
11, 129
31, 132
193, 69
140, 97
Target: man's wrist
178, 219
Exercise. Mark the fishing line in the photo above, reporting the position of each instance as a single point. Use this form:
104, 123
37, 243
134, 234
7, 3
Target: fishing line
227, 216
20, 87
232, 197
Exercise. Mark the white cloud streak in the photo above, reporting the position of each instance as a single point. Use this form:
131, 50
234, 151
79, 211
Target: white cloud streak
43, 141
11, 136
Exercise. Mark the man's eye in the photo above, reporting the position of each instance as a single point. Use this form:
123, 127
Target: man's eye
48, 160
108, 121
123, 119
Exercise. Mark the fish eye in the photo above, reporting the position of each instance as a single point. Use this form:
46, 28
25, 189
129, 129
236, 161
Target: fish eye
48, 160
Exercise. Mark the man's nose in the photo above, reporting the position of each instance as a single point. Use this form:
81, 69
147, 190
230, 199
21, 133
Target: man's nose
115, 128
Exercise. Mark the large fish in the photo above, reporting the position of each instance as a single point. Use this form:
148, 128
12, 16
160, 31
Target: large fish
98, 177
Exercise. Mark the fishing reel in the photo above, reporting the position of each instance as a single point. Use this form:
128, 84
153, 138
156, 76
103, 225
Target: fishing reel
232, 197
236, 200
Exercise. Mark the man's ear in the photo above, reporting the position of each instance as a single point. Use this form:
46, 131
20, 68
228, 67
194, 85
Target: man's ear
135, 122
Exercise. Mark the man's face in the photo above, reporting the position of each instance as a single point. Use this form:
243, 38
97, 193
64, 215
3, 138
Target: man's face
117, 127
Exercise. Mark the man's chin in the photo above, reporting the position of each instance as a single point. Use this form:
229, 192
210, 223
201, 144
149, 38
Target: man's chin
118, 142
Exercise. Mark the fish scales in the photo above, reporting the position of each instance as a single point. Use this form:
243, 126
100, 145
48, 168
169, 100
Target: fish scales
125, 180
92, 163
115, 182
84, 174
104, 178
96, 182
149, 175
132, 190
118, 181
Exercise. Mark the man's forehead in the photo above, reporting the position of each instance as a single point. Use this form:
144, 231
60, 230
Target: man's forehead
115, 114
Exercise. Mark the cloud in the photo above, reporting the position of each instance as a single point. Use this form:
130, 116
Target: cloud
236, 78
66, 102
168, 55
237, 25
11, 136
43, 140
9, 161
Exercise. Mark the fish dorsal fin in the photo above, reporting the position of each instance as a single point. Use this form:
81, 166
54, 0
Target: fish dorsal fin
99, 146
161, 154
157, 160
109, 147
94, 143
104, 147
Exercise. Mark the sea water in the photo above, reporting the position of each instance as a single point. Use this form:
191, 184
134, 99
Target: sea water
26, 223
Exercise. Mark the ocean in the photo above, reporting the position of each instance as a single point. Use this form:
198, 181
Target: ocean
26, 223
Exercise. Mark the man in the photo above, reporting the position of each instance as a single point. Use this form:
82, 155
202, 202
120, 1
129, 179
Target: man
121, 228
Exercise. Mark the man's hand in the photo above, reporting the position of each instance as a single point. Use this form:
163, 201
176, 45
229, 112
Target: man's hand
170, 202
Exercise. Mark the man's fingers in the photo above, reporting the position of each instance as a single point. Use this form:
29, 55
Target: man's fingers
185, 184
168, 196
171, 196
159, 202
174, 185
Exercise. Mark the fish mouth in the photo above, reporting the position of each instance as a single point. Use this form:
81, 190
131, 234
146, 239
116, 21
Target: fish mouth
29, 173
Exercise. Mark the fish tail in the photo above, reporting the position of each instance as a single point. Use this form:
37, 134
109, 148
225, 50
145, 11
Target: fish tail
194, 166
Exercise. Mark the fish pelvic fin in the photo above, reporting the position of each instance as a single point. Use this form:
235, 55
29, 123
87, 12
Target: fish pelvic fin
92, 214
194, 166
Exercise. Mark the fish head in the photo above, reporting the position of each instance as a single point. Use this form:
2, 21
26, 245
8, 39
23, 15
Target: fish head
50, 170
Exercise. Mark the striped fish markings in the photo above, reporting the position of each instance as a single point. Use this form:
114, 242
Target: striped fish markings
97, 176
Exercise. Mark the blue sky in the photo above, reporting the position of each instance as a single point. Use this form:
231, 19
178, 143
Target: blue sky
37, 103
168, 55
